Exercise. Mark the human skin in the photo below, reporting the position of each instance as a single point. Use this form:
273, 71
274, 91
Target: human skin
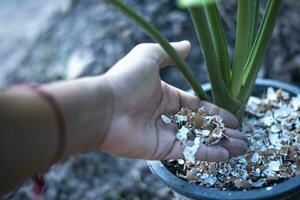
117, 112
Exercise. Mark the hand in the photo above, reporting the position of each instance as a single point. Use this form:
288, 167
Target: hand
140, 98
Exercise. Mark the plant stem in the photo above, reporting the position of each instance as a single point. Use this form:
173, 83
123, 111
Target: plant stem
245, 32
219, 41
154, 33
259, 48
220, 93
254, 11
190, 3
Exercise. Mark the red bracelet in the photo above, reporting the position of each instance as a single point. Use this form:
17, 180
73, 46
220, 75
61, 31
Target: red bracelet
38, 180
58, 116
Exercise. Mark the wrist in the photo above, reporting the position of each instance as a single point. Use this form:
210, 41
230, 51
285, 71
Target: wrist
104, 104
86, 105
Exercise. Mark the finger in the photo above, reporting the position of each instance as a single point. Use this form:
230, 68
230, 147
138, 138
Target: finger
192, 102
229, 119
183, 48
212, 153
204, 153
152, 54
233, 133
235, 147
156, 53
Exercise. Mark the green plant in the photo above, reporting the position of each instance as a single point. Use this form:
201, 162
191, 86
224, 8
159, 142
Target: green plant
231, 81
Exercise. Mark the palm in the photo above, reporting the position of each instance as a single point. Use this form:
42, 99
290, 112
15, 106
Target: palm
136, 129
137, 116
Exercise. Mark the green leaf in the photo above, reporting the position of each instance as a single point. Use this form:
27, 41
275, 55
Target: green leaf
254, 11
259, 48
220, 92
191, 3
220, 44
159, 38
245, 32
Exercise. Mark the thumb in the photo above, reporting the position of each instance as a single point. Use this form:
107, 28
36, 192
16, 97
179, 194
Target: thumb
183, 48
153, 53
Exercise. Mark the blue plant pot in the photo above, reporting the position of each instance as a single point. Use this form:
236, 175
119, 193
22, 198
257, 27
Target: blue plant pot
289, 189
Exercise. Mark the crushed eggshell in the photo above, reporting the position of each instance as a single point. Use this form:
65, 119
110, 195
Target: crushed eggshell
165, 119
189, 152
255, 157
197, 127
295, 102
272, 126
182, 133
180, 118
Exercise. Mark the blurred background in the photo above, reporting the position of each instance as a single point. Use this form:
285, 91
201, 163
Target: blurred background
47, 40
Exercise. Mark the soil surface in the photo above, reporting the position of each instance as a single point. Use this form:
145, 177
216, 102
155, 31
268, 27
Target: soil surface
44, 39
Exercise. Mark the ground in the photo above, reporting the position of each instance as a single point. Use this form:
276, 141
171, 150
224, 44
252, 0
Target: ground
48, 40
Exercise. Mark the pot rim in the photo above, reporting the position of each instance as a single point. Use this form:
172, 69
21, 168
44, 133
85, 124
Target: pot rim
190, 190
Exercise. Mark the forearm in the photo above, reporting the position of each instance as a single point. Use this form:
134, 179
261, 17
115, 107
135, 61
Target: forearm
29, 129
86, 105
